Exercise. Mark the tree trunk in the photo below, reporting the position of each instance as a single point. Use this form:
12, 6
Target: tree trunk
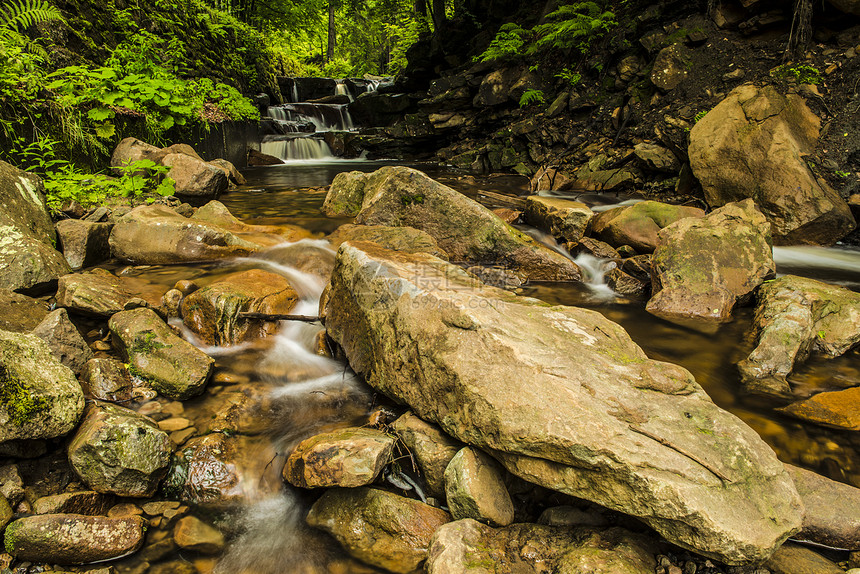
801, 27
332, 33
420, 8
439, 19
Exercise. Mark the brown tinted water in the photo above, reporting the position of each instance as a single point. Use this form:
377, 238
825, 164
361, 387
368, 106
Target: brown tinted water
268, 396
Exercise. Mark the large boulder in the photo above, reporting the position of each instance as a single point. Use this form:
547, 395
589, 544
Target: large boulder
194, 177
20, 313
73, 538
131, 150
28, 259
795, 317
39, 396
753, 145
832, 510
174, 367
703, 267
475, 488
212, 312
638, 225
84, 243
557, 216
466, 230
378, 527
632, 434
468, 547
119, 451
431, 448
847, 6
155, 234
347, 457
216, 213
95, 292
396, 238
64, 340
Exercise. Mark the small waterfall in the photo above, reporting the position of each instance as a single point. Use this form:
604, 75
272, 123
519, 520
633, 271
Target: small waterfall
373, 85
324, 117
341, 89
594, 270
295, 93
297, 149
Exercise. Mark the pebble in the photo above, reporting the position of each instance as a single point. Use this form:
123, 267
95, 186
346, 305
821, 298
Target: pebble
100, 346
179, 437
150, 408
174, 424
124, 509
159, 507
186, 286
174, 408
229, 378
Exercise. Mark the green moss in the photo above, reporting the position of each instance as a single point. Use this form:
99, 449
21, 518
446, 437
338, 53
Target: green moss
411, 199
146, 343
20, 402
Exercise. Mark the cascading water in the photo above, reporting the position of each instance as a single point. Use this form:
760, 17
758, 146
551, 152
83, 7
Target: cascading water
309, 122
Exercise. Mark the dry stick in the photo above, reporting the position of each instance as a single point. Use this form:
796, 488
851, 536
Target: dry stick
279, 317
680, 450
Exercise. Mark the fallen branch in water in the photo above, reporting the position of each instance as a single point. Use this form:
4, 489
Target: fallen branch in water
506, 200
276, 317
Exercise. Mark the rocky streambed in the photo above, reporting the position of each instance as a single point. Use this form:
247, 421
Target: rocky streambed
454, 399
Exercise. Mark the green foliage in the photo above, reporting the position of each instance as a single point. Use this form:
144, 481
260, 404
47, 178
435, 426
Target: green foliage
18, 15
699, 116
507, 44
575, 25
801, 73
570, 77
530, 97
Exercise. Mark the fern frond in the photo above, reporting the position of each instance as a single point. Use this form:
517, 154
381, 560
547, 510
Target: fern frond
19, 15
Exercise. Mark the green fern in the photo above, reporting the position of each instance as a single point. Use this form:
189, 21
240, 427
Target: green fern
506, 45
573, 25
18, 15
530, 97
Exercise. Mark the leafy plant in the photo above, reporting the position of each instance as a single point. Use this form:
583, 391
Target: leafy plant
506, 45
17, 15
699, 116
574, 25
569, 76
801, 73
530, 97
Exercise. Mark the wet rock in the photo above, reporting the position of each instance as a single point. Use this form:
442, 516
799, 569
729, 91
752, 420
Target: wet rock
155, 234
256, 158
431, 448
657, 158
39, 396
347, 458
475, 488
212, 313
193, 534
64, 340
194, 177
86, 502
96, 292
752, 145
84, 243
175, 368
405, 239
206, 471
19, 313
549, 179
312, 257
509, 216
215, 213
671, 67
847, 6
832, 515
495, 88
796, 317
467, 231
837, 409
606, 394
625, 284
378, 527
233, 175
467, 546
6, 513
131, 150
570, 516
794, 559
595, 248
28, 260
557, 216
73, 539
118, 451
11, 484
106, 380
702, 268
638, 225
376, 109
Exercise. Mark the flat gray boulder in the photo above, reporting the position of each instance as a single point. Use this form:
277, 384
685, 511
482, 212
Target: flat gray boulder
563, 398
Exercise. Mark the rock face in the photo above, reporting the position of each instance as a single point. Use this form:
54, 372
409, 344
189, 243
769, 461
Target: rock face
155, 234
752, 146
212, 312
626, 432
73, 538
28, 260
174, 367
559, 217
832, 515
432, 449
638, 225
475, 488
467, 231
848, 6
84, 243
39, 397
395, 238
795, 317
64, 340
194, 177
119, 451
348, 457
378, 527
703, 267
96, 292
19, 313
468, 547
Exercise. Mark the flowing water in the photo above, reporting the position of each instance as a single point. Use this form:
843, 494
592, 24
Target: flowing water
269, 395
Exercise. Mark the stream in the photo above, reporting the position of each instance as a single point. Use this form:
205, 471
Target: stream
267, 396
